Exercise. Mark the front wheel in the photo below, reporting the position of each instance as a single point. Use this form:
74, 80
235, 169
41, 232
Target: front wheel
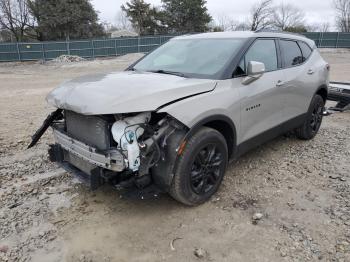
201, 167
313, 119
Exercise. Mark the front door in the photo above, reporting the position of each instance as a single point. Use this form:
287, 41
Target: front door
262, 100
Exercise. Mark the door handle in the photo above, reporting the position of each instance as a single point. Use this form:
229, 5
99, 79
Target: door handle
279, 83
310, 72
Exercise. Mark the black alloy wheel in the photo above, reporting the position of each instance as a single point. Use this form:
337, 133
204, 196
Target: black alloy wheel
206, 168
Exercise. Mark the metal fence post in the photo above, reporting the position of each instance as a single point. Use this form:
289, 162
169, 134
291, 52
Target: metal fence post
321, 39
336, 44
68, 47
43, 52
18, 52
93, 49
115, 47
138, 44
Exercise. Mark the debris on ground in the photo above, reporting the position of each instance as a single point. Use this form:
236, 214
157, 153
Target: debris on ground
68, 59
256, 218
172, 247
200, 253
4, 249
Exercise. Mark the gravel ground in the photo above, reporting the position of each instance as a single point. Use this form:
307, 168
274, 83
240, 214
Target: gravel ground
285, 201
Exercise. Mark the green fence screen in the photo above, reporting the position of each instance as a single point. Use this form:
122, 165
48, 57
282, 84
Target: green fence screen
121, 46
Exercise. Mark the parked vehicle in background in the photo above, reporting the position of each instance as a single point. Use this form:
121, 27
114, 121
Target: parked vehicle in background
340, 92
175, 117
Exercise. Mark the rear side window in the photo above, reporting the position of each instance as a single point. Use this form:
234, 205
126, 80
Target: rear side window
306, 50
291, 53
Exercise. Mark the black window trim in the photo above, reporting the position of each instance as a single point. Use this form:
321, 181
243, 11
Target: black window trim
278, 53
312, 50
301, 51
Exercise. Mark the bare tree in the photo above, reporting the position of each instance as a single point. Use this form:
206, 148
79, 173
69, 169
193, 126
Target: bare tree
324, 27
319, 27
288, 16
15, 17
122, 21
342, 8
225, 23
260, 15
243, 26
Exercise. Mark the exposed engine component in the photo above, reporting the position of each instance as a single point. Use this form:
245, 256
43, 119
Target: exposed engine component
134, 149
126, 133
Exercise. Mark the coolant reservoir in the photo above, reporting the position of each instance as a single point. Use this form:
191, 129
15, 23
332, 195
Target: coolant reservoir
125, 132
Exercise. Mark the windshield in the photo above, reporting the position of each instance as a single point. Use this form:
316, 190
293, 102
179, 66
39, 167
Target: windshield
191, 57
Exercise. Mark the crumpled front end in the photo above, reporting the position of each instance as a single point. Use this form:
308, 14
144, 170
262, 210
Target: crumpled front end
121, 148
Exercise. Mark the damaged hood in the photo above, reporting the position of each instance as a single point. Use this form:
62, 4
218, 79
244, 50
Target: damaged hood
124, 92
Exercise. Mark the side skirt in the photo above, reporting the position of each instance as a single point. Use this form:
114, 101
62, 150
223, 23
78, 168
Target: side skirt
268, 135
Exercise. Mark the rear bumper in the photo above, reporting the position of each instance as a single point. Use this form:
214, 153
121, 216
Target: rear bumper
112, 159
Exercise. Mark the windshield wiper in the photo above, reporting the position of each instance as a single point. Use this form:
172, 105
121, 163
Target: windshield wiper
161, 71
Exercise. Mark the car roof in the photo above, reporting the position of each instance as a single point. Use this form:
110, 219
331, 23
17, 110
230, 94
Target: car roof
248, 34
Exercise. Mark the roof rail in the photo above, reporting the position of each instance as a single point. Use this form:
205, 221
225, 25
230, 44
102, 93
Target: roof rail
265, 30
277, 31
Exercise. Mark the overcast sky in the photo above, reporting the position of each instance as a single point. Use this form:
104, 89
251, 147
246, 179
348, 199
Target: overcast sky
317, 11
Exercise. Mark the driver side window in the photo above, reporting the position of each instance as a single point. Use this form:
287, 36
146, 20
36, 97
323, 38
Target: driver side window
264, 51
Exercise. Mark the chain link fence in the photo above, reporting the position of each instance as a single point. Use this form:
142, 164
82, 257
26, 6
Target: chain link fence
330, 39
83, 48
120, 46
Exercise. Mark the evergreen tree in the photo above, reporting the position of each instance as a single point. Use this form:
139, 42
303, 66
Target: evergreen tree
186, 15
65, 19
143, 17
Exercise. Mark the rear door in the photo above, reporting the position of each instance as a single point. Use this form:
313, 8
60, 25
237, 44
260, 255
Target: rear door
300, 77
262, 100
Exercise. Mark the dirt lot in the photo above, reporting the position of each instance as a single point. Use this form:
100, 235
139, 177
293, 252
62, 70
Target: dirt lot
301, 188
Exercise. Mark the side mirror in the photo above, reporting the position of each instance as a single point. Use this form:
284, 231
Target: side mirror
255, 71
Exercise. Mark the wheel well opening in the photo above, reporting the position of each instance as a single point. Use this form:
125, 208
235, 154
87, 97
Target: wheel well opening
226, 130
323, 93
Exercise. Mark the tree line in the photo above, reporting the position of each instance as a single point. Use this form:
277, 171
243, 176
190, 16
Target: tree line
178, 16
75, 19
49, 19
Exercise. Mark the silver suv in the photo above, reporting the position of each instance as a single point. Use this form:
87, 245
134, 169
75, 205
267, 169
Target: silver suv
175, 117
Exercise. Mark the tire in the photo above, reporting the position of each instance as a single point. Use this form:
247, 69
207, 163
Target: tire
200, 167
313, 119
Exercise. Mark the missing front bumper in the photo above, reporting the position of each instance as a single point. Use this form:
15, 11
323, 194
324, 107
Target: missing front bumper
112, 160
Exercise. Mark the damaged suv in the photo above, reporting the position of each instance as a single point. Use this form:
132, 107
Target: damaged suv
175, 117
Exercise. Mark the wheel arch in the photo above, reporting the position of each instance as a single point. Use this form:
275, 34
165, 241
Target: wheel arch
323, 92
223, 125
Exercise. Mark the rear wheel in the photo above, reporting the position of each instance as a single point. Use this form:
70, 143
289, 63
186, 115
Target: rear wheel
201, 167
313, 120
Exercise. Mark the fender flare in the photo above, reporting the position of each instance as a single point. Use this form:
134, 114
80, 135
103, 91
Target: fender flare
209, 119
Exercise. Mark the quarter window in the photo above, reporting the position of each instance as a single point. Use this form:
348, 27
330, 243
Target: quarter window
291, 53
306, 50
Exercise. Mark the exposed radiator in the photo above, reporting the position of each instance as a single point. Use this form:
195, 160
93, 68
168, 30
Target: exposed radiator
92, 130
